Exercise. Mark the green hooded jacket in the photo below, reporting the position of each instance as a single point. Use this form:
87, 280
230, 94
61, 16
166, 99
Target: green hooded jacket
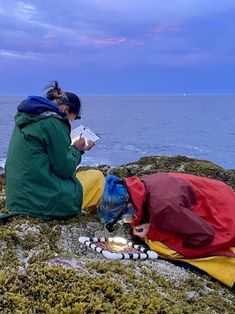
40, 167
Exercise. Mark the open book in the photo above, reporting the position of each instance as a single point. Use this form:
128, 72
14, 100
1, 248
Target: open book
87, 133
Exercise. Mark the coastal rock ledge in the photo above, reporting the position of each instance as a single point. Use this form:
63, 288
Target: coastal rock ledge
33, 278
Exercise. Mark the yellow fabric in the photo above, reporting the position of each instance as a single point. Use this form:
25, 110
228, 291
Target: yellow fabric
221, 268
93, 185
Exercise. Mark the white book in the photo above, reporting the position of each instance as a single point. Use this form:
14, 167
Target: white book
87, 133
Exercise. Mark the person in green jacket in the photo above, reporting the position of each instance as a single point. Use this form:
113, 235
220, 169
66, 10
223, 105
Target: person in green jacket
41, 160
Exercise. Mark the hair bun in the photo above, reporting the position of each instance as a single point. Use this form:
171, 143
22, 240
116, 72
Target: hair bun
54, 91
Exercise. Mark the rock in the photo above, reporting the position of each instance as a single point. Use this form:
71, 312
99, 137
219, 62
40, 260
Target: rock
2, 172
154, 164
29, 281
2, 180
28, 246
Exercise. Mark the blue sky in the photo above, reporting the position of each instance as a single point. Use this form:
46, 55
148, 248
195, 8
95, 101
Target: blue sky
98, 47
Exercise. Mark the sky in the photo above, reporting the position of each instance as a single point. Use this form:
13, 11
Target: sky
118, 47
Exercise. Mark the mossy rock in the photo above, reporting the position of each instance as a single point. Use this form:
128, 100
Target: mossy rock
2, 182
111, 287
29, 283
2, 199
153, 164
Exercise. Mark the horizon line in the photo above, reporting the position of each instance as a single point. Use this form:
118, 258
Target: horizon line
126, 95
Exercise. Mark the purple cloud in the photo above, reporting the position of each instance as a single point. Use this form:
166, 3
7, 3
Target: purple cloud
112, 35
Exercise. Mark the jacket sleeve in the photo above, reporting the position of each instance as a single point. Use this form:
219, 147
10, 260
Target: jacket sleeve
193, 230
63, 158
170, 202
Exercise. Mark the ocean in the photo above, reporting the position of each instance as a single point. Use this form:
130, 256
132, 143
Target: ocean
130, 127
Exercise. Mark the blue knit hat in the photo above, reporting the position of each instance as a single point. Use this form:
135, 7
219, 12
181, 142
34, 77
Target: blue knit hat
114, 201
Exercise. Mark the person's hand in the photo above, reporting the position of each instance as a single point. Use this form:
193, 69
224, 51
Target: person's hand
80, 143
89, 145
141, 230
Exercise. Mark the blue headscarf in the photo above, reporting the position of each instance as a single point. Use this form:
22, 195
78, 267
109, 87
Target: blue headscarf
114, 201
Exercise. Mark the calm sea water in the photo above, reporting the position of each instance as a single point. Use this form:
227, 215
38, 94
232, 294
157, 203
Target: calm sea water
201, 126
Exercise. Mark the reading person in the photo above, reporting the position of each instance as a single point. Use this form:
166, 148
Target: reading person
180, 216
41, 160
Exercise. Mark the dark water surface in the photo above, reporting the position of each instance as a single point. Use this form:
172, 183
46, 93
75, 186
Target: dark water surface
200, 126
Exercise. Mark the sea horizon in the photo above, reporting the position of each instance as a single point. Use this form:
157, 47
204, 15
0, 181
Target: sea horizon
130, 127
126, 95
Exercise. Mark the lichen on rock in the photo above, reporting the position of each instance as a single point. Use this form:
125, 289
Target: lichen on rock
31, 284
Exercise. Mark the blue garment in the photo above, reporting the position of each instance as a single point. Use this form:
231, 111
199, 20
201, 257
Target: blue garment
36, 105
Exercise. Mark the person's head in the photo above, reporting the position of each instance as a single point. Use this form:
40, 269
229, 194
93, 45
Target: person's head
67, 102
115, 204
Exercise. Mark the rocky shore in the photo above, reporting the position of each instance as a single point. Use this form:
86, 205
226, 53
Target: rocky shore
31, 281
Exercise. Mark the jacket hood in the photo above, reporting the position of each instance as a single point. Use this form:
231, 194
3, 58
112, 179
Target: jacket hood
35, 108
137, 193
36, 105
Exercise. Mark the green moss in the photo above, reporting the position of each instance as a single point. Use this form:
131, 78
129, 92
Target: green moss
113, 287
29, 284
9, 258
2, 198
153, 164
59, 290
